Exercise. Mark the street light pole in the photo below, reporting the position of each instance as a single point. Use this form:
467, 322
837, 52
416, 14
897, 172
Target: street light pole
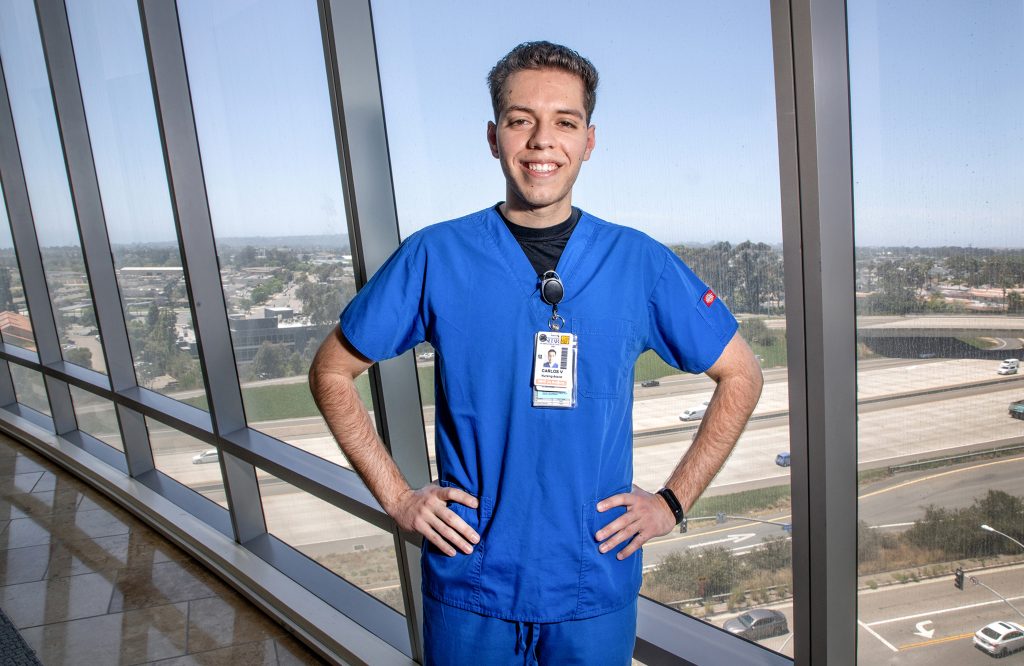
989, 528
974, 579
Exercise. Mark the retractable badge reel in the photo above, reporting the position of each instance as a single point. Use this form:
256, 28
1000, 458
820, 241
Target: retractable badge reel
551, 292
554, 357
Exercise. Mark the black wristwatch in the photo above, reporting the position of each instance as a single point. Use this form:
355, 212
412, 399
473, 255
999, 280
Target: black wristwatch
675, 506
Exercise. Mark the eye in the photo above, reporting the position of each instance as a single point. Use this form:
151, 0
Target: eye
517, 122
567, 124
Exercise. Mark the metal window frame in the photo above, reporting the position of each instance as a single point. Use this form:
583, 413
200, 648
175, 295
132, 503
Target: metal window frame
69, 108
816, 166
165, 53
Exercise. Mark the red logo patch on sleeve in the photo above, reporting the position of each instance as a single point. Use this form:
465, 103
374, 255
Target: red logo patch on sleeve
709, 297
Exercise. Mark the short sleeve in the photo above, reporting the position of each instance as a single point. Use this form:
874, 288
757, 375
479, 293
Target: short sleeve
386, 318
689, 325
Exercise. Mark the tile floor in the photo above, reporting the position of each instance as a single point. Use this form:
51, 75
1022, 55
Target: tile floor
87, 583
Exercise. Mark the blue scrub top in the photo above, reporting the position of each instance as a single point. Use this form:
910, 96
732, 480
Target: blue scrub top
467, 287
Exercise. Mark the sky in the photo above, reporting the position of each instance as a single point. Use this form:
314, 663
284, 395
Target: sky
685, 119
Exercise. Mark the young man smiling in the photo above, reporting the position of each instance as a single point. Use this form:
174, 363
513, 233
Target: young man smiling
533, 529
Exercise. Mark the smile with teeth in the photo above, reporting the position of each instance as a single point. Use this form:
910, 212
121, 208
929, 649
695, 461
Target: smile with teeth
542, 167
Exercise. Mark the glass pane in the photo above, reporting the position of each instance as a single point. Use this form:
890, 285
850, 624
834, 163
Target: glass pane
15, 325
96, 416
259, 88
683, 192
187, 460
29, 387
936, 103
125, 140
357, 551
43, 160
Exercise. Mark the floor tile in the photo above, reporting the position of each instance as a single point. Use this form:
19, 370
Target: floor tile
21, 464
23, 565
19, 483
260, 653
24, 532
219, 622
56, 599
132, 637
163, 582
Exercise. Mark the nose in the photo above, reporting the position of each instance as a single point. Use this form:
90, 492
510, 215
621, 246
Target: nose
542, 137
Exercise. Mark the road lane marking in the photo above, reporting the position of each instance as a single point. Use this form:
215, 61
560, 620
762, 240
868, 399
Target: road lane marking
936, 641
939, 612
939, 475
876, 635
697, 535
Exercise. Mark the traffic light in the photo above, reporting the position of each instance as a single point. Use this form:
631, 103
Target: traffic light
958, 578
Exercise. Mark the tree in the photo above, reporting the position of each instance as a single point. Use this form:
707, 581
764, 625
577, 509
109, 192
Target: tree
1014, 302
271, 361
6, 297
79, 356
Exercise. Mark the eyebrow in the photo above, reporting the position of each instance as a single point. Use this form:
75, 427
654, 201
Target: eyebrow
562, 112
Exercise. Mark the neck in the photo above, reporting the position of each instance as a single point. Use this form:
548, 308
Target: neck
535, 218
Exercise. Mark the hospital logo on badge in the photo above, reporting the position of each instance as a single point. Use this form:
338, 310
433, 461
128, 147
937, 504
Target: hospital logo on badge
709, 297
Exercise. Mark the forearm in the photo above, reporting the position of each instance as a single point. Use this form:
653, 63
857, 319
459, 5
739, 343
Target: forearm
726, 417
338, 400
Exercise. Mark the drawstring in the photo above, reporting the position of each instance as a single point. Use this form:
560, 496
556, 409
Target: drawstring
526, 641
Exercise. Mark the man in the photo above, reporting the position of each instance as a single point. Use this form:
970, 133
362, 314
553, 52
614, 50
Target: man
551, 362
533, 529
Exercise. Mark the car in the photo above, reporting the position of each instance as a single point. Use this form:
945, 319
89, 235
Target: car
425, 356
1000, 638
207, 456
694, 413
757, 624
1008, 367
782, 460
650, 382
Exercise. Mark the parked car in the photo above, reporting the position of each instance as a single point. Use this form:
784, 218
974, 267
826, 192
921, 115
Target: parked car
650, 382
425, 356
782, 460
694, 413
207, 456
757, 624
1008, 367
1000, 638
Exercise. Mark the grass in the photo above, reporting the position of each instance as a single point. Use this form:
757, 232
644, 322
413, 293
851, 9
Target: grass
282, 401
773, 498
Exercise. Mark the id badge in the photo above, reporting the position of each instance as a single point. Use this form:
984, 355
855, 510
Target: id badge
554, 369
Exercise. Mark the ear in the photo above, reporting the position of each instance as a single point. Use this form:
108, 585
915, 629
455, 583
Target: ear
591, 142
492, 137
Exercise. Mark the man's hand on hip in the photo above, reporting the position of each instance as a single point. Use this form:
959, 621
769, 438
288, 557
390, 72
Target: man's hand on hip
426, 512
647, 516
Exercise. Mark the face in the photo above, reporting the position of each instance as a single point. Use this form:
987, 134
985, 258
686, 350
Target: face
542, 139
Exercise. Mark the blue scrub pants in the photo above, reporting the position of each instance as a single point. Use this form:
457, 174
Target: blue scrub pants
455, 636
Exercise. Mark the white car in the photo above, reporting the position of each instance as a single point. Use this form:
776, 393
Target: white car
1000, 638
1008, 367
694, 413
425, 356
207, 456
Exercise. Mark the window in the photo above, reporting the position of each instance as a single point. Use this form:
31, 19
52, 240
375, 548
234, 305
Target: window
259, 88
15, 325
189, 461
357, 551
97, 417
118, 101
43, 161
936, 105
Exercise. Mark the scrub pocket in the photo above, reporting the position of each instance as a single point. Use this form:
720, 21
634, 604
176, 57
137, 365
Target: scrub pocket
457, 578
606, 355
606, 582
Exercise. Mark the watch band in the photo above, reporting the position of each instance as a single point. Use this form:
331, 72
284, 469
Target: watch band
675, 506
